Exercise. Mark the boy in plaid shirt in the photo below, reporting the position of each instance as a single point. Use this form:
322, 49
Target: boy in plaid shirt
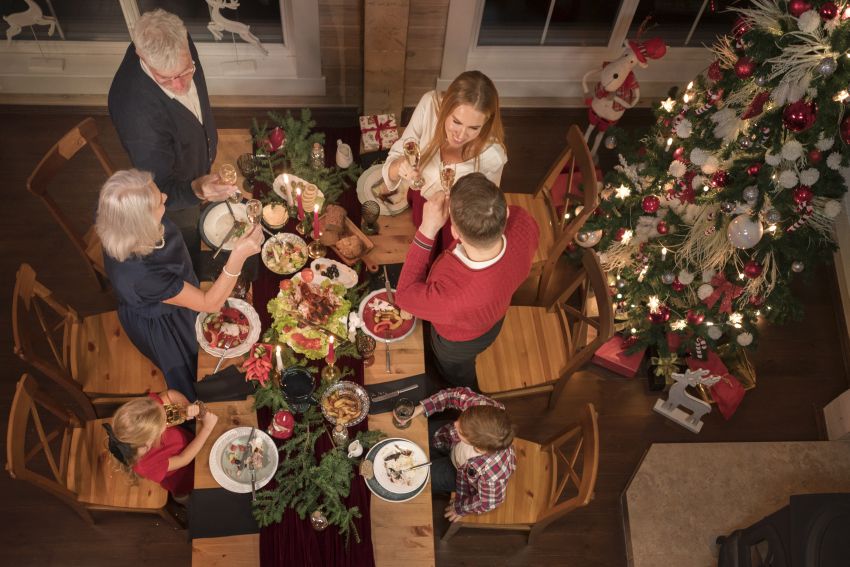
478, 456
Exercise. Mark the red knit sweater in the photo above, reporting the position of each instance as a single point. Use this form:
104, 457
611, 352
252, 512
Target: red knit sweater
461, 302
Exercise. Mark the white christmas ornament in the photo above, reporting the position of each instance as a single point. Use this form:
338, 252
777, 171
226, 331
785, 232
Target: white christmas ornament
809, 176
715, 332
698, 156
685, 277
704, 291
824, 144
698, 181
809, 21
677, 169
788, 179
711, 165
727, 124
792, 150
833, 161
771, 159
592, 239
684, 129
708, 275
744, 339
831, 209
744, 232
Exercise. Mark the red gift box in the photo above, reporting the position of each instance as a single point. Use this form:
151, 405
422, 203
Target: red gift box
613, 356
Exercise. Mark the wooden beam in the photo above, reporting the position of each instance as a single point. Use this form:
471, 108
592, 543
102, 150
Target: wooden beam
384, 55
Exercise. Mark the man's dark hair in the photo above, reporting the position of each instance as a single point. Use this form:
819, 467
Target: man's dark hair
478, 209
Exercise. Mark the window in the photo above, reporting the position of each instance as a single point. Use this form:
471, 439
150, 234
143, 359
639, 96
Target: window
685, 22
262, 15
102, 20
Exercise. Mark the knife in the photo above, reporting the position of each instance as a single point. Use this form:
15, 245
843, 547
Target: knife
230, 209
227, 237
388, 395
254, 481
388, 287
247, 452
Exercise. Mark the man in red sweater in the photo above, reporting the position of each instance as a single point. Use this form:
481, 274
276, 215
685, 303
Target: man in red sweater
466, 292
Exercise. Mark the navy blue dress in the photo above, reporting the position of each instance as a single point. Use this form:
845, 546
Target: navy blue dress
164, 333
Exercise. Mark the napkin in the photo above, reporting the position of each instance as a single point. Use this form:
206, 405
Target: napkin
209, 268
415, 395
223, 386
376, 280
216, 512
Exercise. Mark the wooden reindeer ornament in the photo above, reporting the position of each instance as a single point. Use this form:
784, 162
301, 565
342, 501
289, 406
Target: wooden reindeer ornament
679, 397
220, 24
30, 17
617, 89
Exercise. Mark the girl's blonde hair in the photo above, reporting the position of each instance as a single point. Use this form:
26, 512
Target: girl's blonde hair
125, 222
138, 423
478, 91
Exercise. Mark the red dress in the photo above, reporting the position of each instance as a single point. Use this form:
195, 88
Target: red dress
154, 464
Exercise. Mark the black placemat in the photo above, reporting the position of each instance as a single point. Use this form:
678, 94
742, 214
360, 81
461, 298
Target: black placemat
376, 280
216, 512
224, 386
415, 395
210, 268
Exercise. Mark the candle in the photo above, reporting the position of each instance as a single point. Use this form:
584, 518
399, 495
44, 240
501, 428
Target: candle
288, 189
316, 222
279, 359
331, 353
300, 205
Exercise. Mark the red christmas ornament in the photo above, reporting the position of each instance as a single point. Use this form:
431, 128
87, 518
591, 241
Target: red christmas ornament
753, 169
679, 154
662, 227
694, 317
756, 300
741, 27
276, 139
802, 194
799, 116
745, 67
650, 204
719, 179
618, 236
828, 10
756, 106
844, 129
677, 285
597, 212
629, 341
715, 72
815, 156
753, 269
282, 425
572, 246
661, 315
797, 7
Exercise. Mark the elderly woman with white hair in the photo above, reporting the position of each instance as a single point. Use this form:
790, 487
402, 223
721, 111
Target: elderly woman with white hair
151, 272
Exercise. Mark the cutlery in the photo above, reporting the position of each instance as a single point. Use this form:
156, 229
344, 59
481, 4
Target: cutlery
391, 300
413, 468
227, 237
388, 395
253, 481
220, 360
389, 365
230, 209
247, 452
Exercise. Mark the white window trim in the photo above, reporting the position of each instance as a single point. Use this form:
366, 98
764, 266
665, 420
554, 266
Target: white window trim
554, 73
87, 67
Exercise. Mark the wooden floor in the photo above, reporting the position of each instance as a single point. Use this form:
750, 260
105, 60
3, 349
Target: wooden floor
800, 368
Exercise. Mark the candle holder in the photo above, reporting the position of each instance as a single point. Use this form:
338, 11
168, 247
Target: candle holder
302, 228
316, 249
331, 373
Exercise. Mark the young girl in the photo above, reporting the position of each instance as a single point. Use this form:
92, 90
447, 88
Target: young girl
141, 440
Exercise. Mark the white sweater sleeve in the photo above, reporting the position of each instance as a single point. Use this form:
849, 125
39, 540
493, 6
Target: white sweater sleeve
420, 128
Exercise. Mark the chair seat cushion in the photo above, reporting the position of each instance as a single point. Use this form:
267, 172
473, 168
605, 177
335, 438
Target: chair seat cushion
98, 479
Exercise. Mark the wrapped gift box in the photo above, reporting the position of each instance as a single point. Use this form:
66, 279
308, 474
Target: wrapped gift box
613, 356
378, 132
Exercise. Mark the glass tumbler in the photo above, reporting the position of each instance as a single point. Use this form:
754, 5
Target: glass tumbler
402, 412
369, 213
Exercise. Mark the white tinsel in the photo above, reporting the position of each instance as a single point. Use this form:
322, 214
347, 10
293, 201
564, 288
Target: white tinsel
833, 161
809, 176
684, 128
704, 291
746, 339
698, 156
699, 180
715, 332
686, 277
689, 213
711, 165
705, 245
788, 179
823, 218
830, 26
727, 124
677, 169
764, 14
630, 171
824, 144
792, 150
831, 209
771, 159
764, 283
796, 64
645, 229
787, 92
809, 21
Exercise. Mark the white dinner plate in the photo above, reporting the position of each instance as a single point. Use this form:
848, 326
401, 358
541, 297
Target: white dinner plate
253, 331
381, 486
227, 475
347, 276
218, 222
368, 179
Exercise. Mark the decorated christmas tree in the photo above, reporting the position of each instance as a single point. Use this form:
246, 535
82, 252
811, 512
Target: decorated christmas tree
733, 192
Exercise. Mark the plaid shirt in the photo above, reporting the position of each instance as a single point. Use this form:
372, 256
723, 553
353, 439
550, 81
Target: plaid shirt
482, 481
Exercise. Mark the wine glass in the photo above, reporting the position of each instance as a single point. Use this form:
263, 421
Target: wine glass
227, 174
447, 178
248, 166
411, 153
254, 210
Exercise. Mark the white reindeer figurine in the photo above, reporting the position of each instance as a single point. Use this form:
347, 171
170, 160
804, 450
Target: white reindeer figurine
219, 24
679, 397
30, 17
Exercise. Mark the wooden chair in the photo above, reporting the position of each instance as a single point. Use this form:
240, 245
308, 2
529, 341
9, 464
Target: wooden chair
539, 348
88, 244
91, 357
80, 471
556, 230
566, 465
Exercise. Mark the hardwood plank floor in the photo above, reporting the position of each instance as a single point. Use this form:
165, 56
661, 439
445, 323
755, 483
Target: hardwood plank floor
800, 368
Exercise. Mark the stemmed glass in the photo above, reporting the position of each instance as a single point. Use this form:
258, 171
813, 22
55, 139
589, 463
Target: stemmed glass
254, 211
447, 178
248, 166
228, 175
411, 153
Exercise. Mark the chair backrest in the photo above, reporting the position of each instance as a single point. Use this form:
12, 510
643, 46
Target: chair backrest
41, 330
82, 135
575, 458
566, 222
28, 406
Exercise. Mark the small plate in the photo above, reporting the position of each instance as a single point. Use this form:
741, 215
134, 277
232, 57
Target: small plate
227, 475
368, 179
216, 222
253, 332
284, 237
350, 387
381, 486
279, 188
347, 276
368, 318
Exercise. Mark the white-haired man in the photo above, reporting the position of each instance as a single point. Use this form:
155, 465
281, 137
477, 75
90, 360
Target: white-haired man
159, 105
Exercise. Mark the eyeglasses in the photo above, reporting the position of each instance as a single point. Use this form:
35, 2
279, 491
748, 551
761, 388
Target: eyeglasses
188, 72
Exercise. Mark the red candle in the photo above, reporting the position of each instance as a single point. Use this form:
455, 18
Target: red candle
315, 222
331, 354
300, 205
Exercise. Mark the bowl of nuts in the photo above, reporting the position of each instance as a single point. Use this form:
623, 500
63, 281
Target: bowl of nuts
345, 403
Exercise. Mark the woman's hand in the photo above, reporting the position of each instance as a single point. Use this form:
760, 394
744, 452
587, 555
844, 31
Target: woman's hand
249, 243
407, 172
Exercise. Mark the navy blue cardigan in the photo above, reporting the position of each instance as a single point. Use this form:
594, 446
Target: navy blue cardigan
160, 134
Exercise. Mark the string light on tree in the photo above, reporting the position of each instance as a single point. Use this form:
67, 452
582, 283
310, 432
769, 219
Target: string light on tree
622, 192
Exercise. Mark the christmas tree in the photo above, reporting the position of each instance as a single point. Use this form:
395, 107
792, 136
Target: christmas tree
733, 192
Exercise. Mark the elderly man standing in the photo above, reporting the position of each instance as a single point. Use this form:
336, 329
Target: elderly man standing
159, 104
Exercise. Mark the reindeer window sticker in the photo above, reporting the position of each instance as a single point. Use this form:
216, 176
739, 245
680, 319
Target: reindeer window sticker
219, 24
32, 16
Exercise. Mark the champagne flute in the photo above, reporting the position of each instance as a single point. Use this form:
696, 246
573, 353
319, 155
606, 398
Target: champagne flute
411, 153
254, 210
227, 174
447, 178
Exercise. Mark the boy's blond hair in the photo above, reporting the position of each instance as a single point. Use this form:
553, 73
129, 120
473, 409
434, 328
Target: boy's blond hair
487, 427
138, 423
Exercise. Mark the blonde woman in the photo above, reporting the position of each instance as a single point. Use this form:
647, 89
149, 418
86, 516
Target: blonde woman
141, 440
151, 272
458, 132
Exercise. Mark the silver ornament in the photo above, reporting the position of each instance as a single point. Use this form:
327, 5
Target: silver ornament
745, 143
727, 207
827, 66
621, 284
751, 194
773, 216
797, 266
610, 142
761, 80
583, 237
668, 277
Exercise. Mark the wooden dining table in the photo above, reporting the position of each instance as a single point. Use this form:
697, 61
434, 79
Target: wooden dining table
402, 533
